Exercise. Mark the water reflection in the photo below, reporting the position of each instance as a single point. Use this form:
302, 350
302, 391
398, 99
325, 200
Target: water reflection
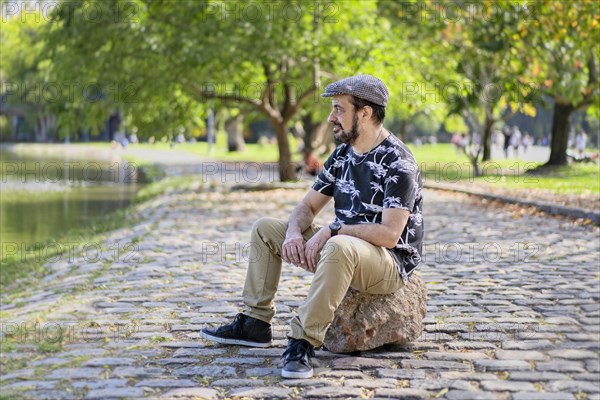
42, 196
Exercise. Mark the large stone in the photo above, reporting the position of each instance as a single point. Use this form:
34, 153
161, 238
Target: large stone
365, 321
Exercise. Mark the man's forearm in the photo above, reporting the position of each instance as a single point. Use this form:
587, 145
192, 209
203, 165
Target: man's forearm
376, 234
300, 219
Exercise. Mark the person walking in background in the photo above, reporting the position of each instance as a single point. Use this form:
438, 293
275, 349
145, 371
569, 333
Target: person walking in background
373, 244
580, 143
506, 132
527, 141
515, 140
456, 142
312, 164
460, 142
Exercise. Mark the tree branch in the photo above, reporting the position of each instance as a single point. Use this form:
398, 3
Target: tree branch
588, 95
509, 116
227, 98
293, 108
269, 93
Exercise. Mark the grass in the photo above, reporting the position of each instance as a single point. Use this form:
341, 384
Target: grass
576, 179
166, 185
441, 163
254, 152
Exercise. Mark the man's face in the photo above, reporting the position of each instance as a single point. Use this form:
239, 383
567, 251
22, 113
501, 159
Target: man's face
344, 118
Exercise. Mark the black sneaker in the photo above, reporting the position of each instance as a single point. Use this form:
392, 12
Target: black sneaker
296, 359
244, 330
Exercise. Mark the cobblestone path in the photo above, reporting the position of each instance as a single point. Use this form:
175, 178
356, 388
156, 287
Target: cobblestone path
513, 311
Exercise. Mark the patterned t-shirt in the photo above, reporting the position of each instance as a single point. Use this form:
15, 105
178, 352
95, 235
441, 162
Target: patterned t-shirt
363, 185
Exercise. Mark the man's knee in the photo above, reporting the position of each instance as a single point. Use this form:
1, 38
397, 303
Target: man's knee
269, 230
266, 224
338, 249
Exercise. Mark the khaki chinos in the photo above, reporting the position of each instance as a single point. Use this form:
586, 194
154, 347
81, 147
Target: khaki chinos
345, 261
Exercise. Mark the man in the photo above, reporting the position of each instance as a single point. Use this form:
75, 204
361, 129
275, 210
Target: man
373, 244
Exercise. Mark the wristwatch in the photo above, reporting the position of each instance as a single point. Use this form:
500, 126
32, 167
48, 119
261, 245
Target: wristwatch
334, 227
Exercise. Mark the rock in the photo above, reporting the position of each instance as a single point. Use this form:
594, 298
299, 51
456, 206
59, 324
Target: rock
365, 321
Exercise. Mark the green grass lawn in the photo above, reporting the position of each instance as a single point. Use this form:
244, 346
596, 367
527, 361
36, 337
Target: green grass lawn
253, 152
441, 163
573, 179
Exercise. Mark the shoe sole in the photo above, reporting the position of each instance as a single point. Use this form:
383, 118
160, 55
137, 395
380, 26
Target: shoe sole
296, 375
238, 342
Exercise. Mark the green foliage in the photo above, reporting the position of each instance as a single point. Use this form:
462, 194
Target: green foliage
163, 64
560, 46
24, 75
179, 57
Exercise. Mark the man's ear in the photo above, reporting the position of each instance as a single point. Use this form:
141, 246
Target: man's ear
367, 112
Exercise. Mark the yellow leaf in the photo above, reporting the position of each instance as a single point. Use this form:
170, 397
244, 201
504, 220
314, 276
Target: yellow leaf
529, 110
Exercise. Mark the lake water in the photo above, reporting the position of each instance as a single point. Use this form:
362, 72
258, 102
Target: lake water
48, 189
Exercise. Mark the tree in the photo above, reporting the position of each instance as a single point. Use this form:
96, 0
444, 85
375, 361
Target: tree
234, 128
26, 87
561, 48
269, 56
415, 61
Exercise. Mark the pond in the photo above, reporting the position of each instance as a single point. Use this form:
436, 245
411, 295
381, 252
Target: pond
48, 189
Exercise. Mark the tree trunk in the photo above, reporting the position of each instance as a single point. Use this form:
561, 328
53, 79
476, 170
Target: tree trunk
41, 128
560, 134
235, 137
486, 140
320, 137
287, 170
403, 128
308, 126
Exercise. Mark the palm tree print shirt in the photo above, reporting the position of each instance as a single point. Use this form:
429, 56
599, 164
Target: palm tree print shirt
363, 185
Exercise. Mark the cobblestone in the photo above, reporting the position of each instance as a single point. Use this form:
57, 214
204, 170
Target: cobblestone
535, 376
191, 393
332, 392
562, 366
520, 355
504, 329
573, 386
360, 363
542, 396
115, 393
501, 386
472, 395
502, 365
405, 394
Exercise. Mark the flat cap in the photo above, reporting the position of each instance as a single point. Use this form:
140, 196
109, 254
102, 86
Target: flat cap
364, 86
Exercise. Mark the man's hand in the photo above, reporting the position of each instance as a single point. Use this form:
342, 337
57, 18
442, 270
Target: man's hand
314, 246
292, 250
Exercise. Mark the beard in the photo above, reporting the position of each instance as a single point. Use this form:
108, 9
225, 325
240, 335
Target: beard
348, 137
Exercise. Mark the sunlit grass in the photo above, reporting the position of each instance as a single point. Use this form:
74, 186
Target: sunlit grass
571, 179
441, 163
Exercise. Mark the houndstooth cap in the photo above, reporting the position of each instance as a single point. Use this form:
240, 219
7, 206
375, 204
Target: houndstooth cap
364, 86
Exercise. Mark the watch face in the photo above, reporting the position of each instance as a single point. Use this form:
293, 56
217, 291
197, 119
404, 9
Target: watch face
335, 226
